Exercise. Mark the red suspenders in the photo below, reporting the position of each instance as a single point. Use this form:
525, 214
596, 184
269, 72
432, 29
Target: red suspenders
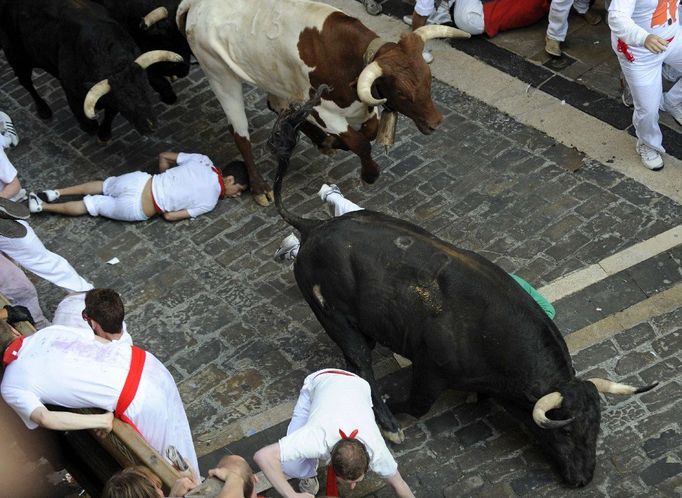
130, 387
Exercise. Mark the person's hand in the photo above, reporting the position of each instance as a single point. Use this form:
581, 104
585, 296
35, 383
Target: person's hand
182, 486
108, 425
18, 314
655, 44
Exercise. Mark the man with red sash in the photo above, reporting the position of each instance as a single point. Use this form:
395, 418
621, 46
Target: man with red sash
75, 367
190, 189
333, 421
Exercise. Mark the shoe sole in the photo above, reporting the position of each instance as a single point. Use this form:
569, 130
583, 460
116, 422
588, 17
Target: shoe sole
13, 211
12, 229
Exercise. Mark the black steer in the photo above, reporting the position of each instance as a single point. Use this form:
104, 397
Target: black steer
152, 25
462, 320
90, 54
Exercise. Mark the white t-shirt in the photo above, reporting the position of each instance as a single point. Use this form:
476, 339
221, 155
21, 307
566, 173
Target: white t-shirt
68, 367
192, 185
338, 401
633, 20
7, 171
69, 313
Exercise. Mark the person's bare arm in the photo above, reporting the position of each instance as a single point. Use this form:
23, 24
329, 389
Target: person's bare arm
267, 459
399, 485
11, 189
176, 215
67, 421
167, 159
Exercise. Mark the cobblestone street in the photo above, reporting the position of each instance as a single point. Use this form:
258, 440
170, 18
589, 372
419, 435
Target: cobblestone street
206, 297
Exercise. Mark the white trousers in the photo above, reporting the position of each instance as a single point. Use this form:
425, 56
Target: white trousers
121, 199
305, 467
468, 16
19, 290
559, 10
644, 79
30, 253
425, 7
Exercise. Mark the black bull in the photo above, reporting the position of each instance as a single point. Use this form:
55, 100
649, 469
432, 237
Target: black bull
463, 322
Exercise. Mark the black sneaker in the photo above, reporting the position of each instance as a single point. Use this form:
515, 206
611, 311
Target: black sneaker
13, 210
12, 229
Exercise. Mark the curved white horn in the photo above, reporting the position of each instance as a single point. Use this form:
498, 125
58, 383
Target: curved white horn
609, 387
431, 31
367, 78
543, 405
153, 56
154, 16
97, 91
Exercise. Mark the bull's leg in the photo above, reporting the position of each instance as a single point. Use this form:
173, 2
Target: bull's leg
357, 350
228, 89
23, 74
104, 131
358, 143
427, 384
370, 128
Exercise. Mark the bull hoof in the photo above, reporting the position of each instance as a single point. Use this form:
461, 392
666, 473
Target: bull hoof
44, 112
370, 176
169, 98
394, 437
263, 199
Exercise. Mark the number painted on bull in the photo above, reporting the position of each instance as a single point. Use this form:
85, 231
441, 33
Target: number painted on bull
273, 21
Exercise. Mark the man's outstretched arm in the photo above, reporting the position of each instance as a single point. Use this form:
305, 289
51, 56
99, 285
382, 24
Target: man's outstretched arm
268, 459
176, 215
399, 485
167, 159
67, 421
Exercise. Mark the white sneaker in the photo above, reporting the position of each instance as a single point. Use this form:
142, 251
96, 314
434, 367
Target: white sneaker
20, 196
49, 195
326, 190
35, 205
288, 249
408, 19
428, 56
650, 157
7, 129
309, 485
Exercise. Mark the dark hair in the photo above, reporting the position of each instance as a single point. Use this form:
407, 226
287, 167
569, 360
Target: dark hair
6, 336
132, 482
350, 459
106, 307
237, 169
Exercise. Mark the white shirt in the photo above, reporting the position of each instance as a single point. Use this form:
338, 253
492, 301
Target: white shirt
69, 313
343, 402
192, 185
631, 20
69, 367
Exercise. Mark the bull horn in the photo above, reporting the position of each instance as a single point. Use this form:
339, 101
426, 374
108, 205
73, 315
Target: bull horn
156, 15
97, 91
543, 405
153, 56
367, 78
427, 33
609, 387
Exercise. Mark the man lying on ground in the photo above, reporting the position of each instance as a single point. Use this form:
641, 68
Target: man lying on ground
80, 368
333, 421
339, 205
190, 189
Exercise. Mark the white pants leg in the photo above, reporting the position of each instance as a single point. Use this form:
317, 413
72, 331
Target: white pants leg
30, 253
304, 468
19, 290
468, 16
341, 204
673, 58
425, 7
581, 6
557, 26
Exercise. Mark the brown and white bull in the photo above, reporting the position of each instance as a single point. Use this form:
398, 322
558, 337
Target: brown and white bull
291, 47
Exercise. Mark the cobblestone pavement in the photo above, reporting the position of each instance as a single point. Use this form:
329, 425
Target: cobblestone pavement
207, 299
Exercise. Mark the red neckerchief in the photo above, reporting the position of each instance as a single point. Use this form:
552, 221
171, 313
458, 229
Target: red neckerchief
12, 351
130, 387
220, 181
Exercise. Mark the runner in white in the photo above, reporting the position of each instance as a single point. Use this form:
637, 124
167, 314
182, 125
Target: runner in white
645, 34
332, 421
188, 190
76, 368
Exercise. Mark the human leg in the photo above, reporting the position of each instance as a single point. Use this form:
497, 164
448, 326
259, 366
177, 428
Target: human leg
557, 26
468, 16
29, 252
672, 99
73, 208
89, 188
303, 468
121, 199
331, 194
19, 290
420, 15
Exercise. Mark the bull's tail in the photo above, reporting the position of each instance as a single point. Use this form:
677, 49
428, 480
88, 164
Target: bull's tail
282, 142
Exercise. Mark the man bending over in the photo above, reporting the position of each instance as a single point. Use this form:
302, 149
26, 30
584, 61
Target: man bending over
190, 189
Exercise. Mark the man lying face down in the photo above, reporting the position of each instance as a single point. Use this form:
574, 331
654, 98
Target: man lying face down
90, 367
